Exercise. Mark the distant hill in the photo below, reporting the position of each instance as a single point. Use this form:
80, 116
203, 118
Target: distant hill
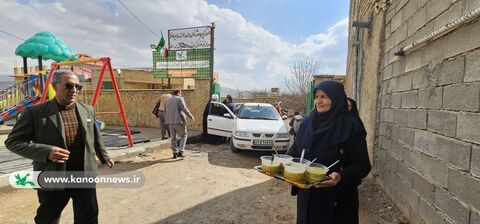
5, 84
6, 78
230, 91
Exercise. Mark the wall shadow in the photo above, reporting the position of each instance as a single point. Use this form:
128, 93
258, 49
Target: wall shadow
267, 202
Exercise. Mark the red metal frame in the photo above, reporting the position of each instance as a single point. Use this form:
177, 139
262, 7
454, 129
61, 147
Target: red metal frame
106, 62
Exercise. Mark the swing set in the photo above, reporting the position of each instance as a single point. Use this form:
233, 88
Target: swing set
105, 64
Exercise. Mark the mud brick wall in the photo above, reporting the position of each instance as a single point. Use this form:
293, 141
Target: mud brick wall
138, 105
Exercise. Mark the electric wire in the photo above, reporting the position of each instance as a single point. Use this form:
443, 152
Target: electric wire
140, 21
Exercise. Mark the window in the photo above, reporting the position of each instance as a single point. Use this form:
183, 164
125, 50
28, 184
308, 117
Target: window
217, 109
258, 112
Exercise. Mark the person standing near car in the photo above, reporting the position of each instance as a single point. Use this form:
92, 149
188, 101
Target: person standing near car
175, 117
228, 101
295, 123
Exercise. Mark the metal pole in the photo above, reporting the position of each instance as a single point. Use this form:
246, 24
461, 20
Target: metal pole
49, 79
212, 48
356, 52
359, 75
120, 104
168, 53
99, 85
25, 67
40, 75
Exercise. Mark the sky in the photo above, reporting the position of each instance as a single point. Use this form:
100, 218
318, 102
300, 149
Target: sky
256, 41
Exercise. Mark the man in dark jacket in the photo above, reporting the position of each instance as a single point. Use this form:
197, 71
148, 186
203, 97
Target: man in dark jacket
61, 135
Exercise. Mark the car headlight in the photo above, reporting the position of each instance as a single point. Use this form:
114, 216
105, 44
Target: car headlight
283, 135
242, 134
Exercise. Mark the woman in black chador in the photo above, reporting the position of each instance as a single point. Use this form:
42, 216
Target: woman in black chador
328, 134
353, 111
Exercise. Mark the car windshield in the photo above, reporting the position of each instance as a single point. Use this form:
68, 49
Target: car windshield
258, 112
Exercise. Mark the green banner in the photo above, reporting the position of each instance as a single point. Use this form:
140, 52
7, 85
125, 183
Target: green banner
186, 63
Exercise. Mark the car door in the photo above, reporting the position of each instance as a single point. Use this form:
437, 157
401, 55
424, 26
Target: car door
220, 120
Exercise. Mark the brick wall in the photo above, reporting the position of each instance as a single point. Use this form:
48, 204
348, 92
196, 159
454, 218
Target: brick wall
138, 105
427, 156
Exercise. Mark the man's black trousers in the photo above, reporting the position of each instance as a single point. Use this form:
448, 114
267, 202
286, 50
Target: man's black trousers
52, 203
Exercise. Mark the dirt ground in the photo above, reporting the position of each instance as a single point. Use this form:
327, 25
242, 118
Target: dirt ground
210, 185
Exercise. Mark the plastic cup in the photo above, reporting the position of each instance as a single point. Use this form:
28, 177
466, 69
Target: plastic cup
269, 166
294, 171
315, 173
282, 158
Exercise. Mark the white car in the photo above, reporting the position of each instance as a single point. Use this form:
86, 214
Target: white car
258, 126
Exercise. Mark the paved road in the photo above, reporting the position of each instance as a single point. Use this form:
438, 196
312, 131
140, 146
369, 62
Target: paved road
10, 162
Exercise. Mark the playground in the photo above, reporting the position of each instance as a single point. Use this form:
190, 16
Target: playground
37, 88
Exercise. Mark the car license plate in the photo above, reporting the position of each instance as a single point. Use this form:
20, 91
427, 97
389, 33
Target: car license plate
263, 142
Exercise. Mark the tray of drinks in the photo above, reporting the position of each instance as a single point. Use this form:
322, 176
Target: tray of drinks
297, 172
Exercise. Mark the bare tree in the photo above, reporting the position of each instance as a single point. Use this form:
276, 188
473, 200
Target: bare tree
293, 102
302, 74
296, 85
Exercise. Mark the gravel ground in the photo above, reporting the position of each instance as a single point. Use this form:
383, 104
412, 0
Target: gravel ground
211, 185
376, 207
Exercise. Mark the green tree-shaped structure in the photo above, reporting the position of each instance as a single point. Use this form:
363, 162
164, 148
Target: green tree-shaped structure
46, 45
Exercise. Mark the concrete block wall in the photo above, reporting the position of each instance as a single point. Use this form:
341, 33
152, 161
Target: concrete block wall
138, 105
427, 157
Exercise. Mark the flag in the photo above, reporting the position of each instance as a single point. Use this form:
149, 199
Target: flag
162, 48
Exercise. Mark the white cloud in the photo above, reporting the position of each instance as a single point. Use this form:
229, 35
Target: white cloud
246, 54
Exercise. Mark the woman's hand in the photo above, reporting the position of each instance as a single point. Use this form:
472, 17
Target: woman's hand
332, 182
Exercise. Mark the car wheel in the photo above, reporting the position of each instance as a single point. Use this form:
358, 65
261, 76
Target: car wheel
233, 148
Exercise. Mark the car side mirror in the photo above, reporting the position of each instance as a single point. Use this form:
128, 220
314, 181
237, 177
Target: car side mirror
284, 117
227, 115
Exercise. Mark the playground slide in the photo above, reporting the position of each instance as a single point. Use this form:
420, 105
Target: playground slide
12, 112
29, 92
17, 108
16, 97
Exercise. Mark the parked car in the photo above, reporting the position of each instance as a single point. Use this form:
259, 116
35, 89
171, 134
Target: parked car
238, 106
257, 126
